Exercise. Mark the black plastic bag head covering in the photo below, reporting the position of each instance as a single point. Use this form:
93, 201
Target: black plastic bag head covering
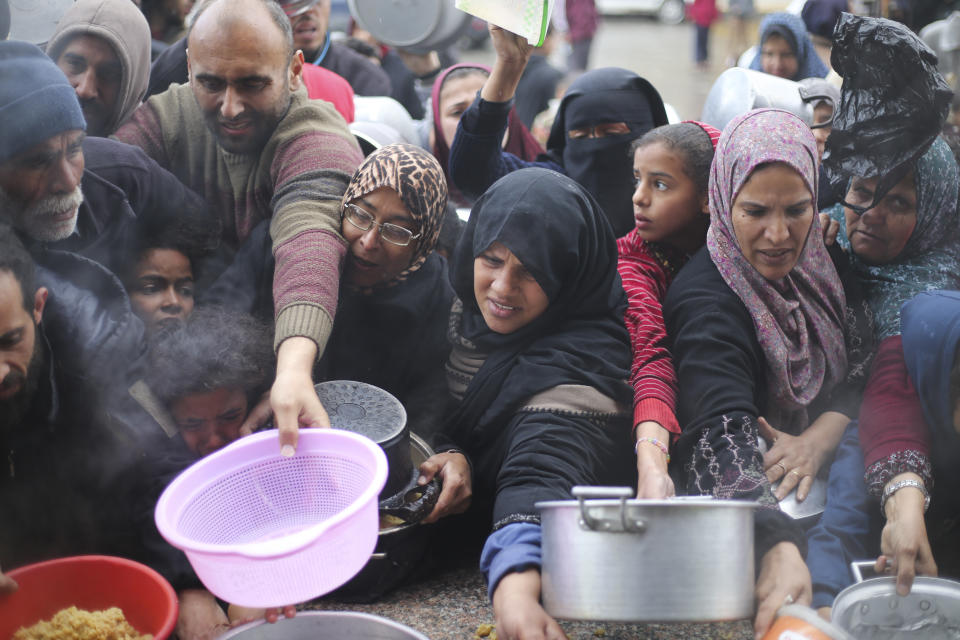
893, 104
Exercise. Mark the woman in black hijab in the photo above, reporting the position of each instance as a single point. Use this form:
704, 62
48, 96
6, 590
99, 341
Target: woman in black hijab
601, 114
538, 372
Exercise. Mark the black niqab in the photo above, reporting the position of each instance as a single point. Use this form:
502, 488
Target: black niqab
603, 165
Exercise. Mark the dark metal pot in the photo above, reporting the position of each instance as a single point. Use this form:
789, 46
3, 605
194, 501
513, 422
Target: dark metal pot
400, 547
374, 413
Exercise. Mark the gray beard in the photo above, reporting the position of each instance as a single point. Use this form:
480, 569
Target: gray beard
33, 220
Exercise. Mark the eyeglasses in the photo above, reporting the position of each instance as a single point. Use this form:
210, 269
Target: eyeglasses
362, 220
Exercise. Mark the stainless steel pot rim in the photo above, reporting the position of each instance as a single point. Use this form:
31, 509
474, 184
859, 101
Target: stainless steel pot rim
386, 623
923, 586
688, 502
420, 451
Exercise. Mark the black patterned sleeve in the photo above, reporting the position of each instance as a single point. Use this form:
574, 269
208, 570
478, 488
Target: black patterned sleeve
720, 373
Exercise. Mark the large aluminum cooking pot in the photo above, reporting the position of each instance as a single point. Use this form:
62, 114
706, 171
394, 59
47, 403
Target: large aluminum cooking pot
737, 91
326, 625
416, 25
606, 557
872, 609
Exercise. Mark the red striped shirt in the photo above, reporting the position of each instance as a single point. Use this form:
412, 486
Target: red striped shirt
645, 279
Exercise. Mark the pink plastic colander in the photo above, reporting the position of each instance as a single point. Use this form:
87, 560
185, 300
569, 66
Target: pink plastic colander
261, 530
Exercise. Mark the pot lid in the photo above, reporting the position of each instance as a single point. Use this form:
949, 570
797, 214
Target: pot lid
392, 21
872, 609
362, 408
35, 20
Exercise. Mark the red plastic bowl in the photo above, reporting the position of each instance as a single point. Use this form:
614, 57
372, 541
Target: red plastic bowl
92, 583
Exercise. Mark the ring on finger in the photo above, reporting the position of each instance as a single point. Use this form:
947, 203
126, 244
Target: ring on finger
788, 599
794, 471
780, 464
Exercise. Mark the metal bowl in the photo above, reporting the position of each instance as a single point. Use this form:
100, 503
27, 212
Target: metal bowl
326, 625
808, 511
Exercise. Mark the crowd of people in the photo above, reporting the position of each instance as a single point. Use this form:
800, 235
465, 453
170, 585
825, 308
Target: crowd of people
187, 247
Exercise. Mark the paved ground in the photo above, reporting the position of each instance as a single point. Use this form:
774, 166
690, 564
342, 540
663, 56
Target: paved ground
453, 605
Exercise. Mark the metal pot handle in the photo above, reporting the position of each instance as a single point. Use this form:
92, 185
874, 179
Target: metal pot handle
857, 567
587, 521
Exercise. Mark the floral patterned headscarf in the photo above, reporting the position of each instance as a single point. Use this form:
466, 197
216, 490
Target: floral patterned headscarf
798, 319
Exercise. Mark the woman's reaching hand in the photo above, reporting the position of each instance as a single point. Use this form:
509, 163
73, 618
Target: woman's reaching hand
454, 471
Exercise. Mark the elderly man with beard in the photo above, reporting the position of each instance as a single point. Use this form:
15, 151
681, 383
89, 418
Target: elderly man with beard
244, 134
62, 190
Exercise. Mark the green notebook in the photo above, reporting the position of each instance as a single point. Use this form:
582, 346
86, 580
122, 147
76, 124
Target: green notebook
527, 18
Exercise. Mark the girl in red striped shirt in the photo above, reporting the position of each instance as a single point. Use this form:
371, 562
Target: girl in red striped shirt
671, 166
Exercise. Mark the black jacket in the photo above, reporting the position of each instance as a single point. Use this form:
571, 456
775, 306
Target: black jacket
87, 472
721, 373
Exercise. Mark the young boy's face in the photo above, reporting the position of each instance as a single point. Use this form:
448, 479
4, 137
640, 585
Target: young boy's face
212, 420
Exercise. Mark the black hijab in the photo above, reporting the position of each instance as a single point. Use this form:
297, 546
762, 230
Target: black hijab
603, 165
558, 232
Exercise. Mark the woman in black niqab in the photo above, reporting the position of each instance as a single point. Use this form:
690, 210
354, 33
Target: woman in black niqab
602, 164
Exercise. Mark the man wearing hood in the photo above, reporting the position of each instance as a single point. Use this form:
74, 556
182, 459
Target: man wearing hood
103, 47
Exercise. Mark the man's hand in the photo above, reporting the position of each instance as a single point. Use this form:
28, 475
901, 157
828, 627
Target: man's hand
517, 609
293, 398
454, 471
784, 578
259, 415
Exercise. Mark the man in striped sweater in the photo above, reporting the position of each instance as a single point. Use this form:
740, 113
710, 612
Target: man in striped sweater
243, 133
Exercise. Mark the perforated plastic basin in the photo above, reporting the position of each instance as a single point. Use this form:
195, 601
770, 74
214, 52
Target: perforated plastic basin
261, 530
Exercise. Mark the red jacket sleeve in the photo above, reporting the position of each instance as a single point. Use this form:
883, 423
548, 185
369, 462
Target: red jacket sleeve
893, 432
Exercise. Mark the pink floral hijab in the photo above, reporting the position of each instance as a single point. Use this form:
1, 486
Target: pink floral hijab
799, 319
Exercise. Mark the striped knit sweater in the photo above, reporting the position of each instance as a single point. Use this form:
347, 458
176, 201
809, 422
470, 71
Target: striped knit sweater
646, 272
297, 180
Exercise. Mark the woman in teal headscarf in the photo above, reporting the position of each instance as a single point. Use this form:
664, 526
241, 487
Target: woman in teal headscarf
909, 241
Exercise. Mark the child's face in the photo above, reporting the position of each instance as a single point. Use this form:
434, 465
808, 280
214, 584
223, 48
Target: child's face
161, 288
666, 205
209, 421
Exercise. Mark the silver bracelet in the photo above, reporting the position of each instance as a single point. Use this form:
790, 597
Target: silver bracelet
900, 484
